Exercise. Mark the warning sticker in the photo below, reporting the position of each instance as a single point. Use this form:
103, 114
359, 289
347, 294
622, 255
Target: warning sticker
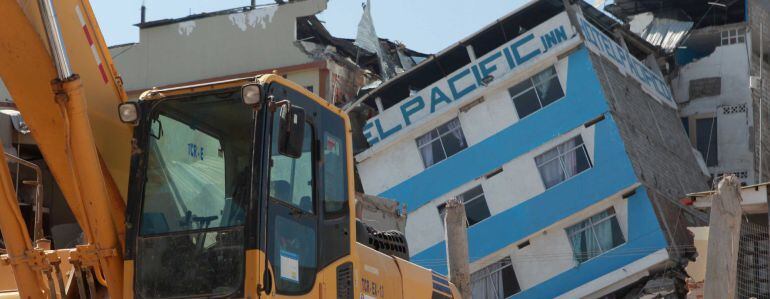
332, 146
289, 266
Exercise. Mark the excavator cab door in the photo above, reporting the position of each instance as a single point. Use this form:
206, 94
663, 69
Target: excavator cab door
305, 209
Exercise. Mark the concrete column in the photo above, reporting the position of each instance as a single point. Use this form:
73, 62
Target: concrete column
457, 246
724, 240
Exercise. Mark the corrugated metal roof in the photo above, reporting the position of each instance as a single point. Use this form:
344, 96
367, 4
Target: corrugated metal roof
665, 33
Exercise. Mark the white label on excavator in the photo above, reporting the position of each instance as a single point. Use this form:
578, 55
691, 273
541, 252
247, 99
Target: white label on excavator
372, 270
289, 266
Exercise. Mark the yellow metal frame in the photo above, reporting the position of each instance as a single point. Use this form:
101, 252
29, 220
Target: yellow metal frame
254, 258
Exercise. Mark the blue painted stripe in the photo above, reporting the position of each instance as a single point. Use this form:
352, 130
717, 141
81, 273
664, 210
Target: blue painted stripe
583, 102
611, 172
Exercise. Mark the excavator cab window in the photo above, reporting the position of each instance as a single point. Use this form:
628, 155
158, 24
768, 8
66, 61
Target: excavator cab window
196, 191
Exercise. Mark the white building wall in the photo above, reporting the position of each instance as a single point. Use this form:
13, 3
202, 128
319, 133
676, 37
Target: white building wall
400, 159
503, 191
308, 78
731, 64
214, 46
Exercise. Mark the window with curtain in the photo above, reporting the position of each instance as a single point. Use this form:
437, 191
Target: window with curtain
563, 162
475, 203
595, 235
495, 281
536, 92
706, 139
441, 143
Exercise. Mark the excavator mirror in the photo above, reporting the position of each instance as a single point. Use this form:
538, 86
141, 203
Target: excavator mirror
291, 130
252, 95
129, 112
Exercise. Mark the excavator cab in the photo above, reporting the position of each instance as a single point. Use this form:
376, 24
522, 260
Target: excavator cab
238, 186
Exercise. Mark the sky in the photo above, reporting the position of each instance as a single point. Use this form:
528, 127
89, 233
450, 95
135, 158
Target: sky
427, 26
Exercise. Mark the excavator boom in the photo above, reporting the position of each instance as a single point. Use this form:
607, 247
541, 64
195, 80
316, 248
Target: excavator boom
52, 59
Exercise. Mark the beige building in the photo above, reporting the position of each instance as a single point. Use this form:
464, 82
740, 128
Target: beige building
285, 38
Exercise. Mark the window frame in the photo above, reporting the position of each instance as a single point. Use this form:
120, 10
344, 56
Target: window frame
732, 36
172, 184
144, 135
713, 131
591, 226
314, 196
559, 156
442, 207
533, 86
438, 139
501, 264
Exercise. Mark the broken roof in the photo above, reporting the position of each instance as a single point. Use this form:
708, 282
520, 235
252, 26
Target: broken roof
660, 31
487, 39
200, 16
704, 12
311, 29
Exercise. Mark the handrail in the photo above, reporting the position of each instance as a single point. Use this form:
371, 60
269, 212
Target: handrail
38, 233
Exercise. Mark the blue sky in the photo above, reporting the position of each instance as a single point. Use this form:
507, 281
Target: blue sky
424, 25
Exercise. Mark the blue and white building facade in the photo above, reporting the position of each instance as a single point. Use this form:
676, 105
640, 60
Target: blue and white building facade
537, 135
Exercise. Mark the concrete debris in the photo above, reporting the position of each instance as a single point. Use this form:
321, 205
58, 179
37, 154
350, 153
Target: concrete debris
662, 32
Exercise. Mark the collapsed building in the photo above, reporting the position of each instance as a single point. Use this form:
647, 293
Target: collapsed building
557, 129
713, 54
283, 38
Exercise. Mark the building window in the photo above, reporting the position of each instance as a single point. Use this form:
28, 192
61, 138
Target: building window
705, 87
536, 92
686, 125
563, 162
706, 139
475, 203
441, 143
309, 88
733, 36
595, 235
495, 281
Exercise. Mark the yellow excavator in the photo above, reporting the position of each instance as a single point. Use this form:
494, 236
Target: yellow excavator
235, 189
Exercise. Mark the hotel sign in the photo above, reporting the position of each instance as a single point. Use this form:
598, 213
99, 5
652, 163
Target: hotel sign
458, 85
652, 82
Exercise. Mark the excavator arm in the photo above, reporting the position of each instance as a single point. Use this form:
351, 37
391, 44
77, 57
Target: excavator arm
55, 64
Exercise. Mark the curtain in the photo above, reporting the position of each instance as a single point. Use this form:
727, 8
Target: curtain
569, 157
606, 231
543, 82
604, 235
592, 237
550, 168
488, 282
579, 241
456, 130
426, 149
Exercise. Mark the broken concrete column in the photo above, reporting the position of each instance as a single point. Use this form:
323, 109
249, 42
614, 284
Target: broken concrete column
724, 240
457, 246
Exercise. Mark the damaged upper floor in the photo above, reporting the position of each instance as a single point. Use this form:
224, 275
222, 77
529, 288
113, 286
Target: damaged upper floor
286, 38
